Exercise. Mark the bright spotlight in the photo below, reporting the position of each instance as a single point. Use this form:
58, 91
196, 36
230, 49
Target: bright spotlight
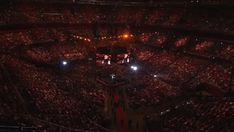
125, 36
134, 68
128, 60
155, 76
112, 76
109, 62
64, 63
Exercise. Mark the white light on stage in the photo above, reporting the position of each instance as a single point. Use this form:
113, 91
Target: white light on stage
64, 63
134, 68
109, 62
155, 76
128, 60
112, 76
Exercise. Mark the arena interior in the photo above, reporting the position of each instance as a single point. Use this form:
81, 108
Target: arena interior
116, 65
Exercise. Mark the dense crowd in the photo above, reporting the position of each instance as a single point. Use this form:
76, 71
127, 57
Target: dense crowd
195, 115
168, 69
54, 96
32, 36
217, 75
204, 19
228, 52
200, 46
71, 98
166, 74
58, 52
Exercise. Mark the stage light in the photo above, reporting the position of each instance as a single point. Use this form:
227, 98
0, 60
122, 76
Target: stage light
105, 57
64, 63
134, 68
125, 55
155, 76
112, 76
125, 36
128, 60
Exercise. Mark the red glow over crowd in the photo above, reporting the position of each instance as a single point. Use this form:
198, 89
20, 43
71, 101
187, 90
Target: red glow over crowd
163, 63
